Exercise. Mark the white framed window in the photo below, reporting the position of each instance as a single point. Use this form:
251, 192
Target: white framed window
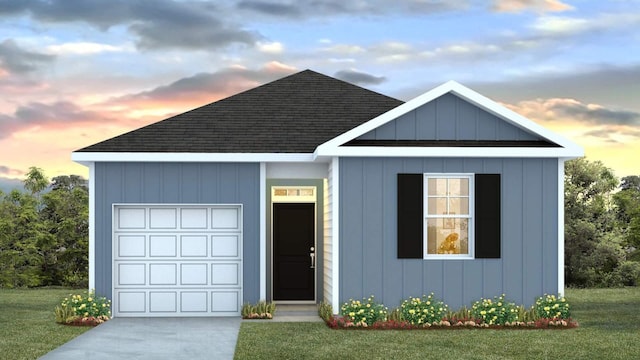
448, 216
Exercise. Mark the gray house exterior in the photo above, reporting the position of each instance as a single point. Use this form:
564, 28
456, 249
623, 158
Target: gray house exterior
310, 189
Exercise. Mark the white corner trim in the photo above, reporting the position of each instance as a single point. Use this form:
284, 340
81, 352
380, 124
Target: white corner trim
561, 227
461, 91
263, 231
92, 225
82, 157
402, 151
335, 235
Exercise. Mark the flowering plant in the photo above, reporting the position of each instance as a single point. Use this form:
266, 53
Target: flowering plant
421, 311
363, 313
83, 309
494, 312
552, 307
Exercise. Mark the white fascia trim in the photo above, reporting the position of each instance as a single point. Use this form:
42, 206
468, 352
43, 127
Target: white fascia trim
335, 235
561, 226
263, 231
502, 152
92, 225
82, 157
461, 91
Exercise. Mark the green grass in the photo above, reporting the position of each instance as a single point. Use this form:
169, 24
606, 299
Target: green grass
27, 323
609, 329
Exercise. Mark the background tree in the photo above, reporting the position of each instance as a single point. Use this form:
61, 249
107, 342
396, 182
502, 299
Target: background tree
627, 201
44, 235
596, 253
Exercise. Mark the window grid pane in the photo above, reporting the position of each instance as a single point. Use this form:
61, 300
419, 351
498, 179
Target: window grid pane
448, 215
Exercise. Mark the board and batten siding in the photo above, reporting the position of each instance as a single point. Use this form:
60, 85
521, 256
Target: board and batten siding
177, 183
368, 234
328, 237
448, 118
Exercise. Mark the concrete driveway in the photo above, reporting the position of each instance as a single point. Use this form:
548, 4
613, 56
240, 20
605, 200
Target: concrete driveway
154, 338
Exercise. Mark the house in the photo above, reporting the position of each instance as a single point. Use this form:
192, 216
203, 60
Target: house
311, 189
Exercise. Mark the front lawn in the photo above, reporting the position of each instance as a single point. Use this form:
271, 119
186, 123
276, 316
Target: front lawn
27, 323
609, 328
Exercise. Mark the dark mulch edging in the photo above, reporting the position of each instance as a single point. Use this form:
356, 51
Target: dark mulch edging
340, 323
88, 321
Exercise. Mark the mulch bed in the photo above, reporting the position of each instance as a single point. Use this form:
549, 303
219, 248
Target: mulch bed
550, 324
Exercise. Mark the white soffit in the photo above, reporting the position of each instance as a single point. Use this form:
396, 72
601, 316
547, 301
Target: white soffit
567, 148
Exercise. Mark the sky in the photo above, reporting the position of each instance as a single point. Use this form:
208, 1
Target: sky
76, 72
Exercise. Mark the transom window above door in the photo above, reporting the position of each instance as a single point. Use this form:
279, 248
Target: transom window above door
448, 215
293, 194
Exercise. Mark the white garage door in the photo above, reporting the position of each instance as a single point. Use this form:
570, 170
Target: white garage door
177, 260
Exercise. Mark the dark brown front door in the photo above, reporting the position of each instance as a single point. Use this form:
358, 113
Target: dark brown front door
293, 241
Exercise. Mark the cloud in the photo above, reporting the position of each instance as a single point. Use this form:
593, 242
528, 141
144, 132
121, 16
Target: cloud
84, 48
270, 8
603, 84
57, 114
359, 78
18, 60
314, 8
557, 109
270, 47
206, 87
592, 113
554, 26
5, 170
532, 5
157, 24
8, 184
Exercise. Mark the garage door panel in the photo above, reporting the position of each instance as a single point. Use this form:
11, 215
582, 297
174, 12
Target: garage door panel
225, 218
194, 301
193, 245
131, 218
132, 302
225, 245
162, 218
163, 274
224, 301
193, 218
132, 274
163, 245
177, 260
225, 274
131, 246
193, 274
163, 301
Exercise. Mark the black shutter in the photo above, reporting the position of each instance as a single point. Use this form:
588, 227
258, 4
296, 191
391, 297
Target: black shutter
487, 216
410, 221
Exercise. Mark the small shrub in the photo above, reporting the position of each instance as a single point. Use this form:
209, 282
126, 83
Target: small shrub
494, 312
527, 315
65, 314
425, 310
395, 315
89, 305
86, 309
552, 307
325, 311
364, 313
463, 314
261, 310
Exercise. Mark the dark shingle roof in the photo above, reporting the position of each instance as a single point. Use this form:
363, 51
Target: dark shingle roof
294, 114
